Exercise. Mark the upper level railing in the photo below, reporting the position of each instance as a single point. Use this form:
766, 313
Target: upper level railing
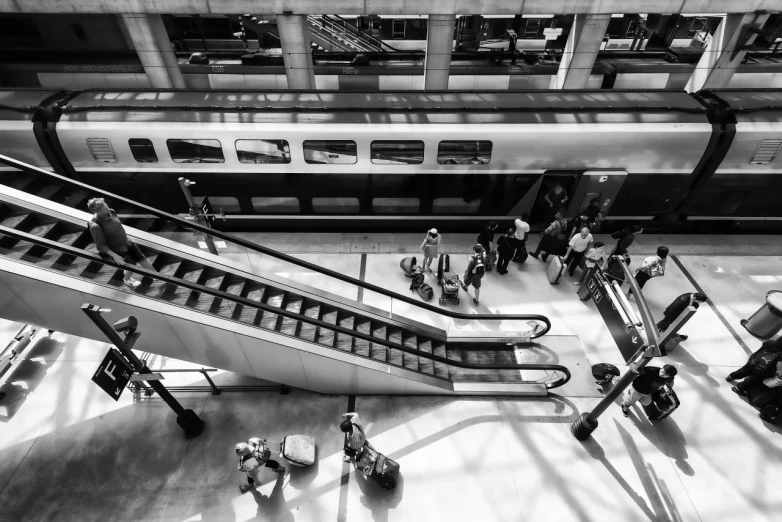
250, 255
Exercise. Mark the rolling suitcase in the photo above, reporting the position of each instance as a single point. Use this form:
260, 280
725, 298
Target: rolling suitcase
555, 270
299, 450
664, 402
378, 467
443, 266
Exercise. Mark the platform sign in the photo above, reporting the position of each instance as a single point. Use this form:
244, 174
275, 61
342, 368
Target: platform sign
629, 341
113, 374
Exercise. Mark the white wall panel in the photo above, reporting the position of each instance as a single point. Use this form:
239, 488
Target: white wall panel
210, 346
641, 81
326, 82
328, 375
274, 362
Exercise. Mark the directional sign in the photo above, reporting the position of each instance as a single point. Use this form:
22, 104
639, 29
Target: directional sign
629, 340
113, 374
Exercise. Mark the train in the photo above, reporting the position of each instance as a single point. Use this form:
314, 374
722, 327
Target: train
408, 161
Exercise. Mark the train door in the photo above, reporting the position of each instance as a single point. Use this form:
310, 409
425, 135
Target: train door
541, 211
601, 184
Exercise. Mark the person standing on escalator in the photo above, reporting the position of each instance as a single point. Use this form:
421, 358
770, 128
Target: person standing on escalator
112, 241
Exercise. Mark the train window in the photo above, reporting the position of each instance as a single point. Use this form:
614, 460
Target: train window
343, 152
455, 206
396, 205
195, 151
276, 205
766, 152
464, 152
397, 152
101, 150
263, 151
224, 203
335, 205
143, 150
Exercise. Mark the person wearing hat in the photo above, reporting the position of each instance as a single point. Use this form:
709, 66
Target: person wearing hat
431, 248
355, 438
476, 268
254, 455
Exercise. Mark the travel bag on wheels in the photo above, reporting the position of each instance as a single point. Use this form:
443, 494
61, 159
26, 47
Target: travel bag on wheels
443, 266
378, 467
555, 270
299, 450
664, 402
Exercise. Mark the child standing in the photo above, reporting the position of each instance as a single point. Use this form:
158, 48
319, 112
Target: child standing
431, 248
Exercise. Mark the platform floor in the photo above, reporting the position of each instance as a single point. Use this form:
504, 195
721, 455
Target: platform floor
69, 452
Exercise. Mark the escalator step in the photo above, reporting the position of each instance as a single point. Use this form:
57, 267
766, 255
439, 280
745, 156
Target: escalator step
20, 181
411, 361
247, 314
344, 341
289, 326
424, 365
379, 351
361, 346
440, 369
157, 288
308, 331
41, 229
325, 336
12, 220
235, 286
270, 320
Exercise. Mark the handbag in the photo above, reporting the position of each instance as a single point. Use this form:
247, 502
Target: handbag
657, 269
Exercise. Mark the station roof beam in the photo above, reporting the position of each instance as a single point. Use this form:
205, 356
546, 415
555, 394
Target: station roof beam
725, 51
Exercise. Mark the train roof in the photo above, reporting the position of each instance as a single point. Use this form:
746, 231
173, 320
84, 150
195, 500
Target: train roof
21, 105
757, 105
386, 107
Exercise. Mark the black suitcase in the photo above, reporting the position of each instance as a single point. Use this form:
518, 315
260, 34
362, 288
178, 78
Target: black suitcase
386, 472
443, 266
664, 402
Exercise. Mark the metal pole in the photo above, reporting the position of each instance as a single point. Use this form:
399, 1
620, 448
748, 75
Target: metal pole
187, 419
586, 423
196, 213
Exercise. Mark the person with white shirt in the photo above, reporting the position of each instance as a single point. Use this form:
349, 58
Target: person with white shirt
577, 248
594, 256
520, 235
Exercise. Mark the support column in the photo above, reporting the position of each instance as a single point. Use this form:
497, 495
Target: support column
580, 52
153, 47
715, 68
439, 44
296, 51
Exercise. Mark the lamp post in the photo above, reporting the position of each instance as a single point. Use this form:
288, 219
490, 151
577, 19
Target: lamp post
586, 423
188, 420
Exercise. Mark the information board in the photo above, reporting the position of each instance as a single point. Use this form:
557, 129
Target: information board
627, 339
113, 374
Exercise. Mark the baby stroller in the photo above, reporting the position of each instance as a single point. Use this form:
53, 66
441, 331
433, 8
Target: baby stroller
448, 280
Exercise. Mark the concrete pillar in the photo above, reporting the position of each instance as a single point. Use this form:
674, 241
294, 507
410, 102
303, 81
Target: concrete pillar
296, 51
580, 52
439, 44
715, 68
153, 47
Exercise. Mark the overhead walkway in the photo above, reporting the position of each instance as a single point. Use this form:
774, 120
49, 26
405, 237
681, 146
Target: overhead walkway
232, 315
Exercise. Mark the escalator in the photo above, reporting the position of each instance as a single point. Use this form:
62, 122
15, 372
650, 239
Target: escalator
41, 226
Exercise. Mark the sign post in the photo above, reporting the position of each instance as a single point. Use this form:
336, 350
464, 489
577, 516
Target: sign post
188, 420
636, 350
113, 374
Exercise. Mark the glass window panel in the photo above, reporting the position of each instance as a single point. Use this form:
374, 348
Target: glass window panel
343, 152
335, 205
397, 152
143, 150
225, 203
276, 205
464, 152
195, 151
263, 151
455, 206
396, 205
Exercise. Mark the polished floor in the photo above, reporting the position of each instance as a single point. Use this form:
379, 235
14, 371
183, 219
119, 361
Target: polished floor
68, 452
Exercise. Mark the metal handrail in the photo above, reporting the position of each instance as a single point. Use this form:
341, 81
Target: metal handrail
284, 257
332, 30
365, 36
76, 252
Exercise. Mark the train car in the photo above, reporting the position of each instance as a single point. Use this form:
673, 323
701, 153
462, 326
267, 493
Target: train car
401, 161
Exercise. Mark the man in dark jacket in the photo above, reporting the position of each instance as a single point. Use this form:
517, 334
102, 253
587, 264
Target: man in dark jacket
678, 306
625, 239
505, 250
649, 380
760, 365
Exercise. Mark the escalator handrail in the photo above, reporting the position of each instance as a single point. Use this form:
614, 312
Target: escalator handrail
76, 252
365, 36
284, 257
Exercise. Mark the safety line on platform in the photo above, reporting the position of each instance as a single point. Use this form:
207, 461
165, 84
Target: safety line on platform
342, 509
713, 306
362, 272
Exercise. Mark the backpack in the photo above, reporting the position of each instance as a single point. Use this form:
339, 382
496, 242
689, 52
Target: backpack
604, 372
480, 269
523, 254
425, 291
418, 280
764, 362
